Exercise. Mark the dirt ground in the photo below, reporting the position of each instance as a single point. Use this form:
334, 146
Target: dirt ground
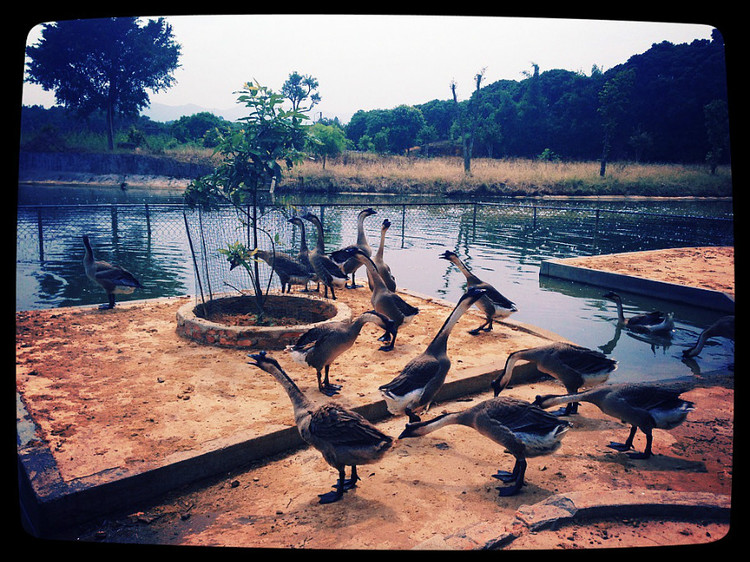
120, 389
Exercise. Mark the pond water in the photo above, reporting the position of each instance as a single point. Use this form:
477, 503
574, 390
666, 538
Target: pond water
503, 242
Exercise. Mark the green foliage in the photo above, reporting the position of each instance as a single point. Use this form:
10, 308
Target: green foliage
106, 64
326, 141
252, 152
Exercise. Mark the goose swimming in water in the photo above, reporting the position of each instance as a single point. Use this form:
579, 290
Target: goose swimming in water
420, 380
351, 265
386, 302
342, 436
644, 406
523, 429
648, 322
723, 327
493, 304
574, 366
114, 279
325, 268
320, 346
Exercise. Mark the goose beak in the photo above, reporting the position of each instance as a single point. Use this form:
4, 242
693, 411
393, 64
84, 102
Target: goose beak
256, 358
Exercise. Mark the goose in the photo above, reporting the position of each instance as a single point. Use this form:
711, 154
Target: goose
304, 252
655, 321
723, 327
523, 429
573, 365
493, 304
114, 279
320, 346
419, 381
644, 406
342, 436
382, 267
383, 300
350, 266
290, 271
325, 268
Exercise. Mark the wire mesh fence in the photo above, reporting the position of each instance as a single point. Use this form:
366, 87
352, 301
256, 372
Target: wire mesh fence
177, 250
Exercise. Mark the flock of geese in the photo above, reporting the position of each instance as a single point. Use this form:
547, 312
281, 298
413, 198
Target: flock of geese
524, 429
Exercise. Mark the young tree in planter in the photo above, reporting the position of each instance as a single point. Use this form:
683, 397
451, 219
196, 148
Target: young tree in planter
253, 155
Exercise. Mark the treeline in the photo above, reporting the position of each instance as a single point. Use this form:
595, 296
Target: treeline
672, 107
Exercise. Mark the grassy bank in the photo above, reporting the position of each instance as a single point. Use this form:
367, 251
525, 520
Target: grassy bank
511, 177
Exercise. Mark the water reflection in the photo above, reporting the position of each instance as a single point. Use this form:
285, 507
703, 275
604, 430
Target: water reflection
503, 244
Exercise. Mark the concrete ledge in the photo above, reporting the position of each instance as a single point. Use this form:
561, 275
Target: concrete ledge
693, 296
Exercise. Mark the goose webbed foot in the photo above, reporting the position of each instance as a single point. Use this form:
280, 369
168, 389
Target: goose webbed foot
331, 497
516, 477
330, 389
348, 483
106, 306
487, 327
569, 409
505, 476
387, 347
639, 456
619, 446
385, 337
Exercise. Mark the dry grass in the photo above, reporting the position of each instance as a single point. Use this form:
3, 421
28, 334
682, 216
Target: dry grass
510, 176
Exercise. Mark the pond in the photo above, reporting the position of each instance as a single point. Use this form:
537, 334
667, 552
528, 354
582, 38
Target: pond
503, 242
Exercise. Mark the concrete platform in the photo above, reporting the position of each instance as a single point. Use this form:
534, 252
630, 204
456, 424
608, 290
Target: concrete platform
693, 296
49, 500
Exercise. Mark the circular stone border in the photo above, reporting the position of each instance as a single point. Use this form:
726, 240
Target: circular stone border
193, 327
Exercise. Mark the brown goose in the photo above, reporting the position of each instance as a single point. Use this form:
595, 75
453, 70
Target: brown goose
644, 406
325, 268
523, 429
723, 327
648, 322
382, 267
384, 301
114, 279
350, 266
304, 252
290, 271
342, 436
419, 381
574, 366
493, 304
320, 346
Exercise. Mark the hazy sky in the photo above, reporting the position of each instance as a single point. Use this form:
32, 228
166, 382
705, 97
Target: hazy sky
379, 62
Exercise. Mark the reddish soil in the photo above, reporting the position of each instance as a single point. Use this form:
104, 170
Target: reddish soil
120, 389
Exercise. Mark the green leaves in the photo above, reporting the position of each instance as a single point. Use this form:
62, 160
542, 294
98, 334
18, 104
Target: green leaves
253, 152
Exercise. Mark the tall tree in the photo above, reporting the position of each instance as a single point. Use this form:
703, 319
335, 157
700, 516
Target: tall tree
467, 120
106, 64
299, 88
614, 99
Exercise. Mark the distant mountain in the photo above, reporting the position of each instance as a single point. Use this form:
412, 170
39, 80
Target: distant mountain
166, 113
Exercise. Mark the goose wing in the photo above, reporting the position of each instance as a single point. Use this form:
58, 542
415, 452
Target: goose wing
650, 396
418, 373
584, 360
114, 274
520, 416
340, 426
647, 319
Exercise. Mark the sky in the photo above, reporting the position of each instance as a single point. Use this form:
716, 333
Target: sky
365, 62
